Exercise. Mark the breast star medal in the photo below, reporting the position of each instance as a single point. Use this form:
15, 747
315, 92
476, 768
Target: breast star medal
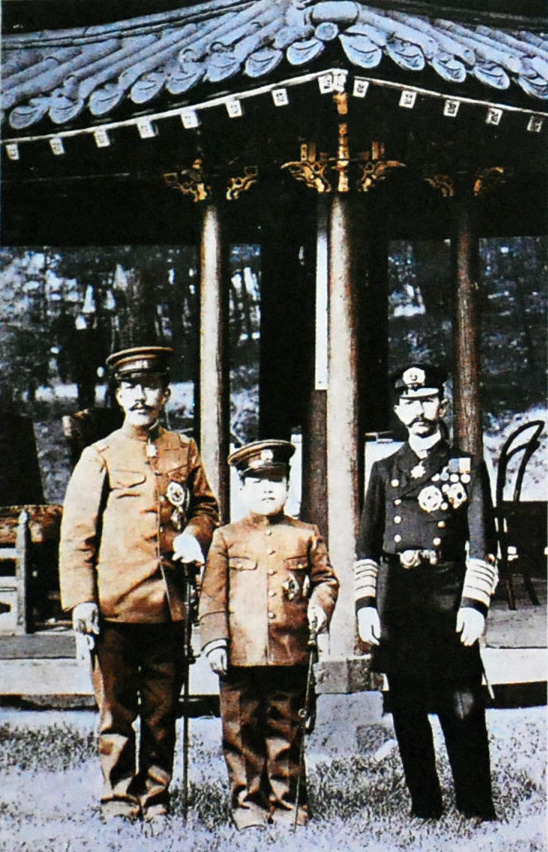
418, 471
430, 499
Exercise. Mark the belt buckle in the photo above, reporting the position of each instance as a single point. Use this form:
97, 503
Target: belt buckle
410, 558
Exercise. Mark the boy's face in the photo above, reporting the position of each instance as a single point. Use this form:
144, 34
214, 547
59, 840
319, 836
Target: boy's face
142, 397
265, 493
421, 414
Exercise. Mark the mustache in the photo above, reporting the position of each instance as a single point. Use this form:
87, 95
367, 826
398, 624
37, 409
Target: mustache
140, 407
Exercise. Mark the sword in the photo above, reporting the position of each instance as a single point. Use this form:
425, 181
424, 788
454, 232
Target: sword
190, 611
304, 713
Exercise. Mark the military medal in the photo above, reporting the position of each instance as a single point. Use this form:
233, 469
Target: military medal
418, 471
291, 588
456, 494
177, 495
430, 498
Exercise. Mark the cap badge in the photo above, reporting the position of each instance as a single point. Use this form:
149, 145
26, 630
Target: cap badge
267, 456
414, 376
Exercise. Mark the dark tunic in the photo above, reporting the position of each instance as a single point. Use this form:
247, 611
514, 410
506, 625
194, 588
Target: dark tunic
437, 505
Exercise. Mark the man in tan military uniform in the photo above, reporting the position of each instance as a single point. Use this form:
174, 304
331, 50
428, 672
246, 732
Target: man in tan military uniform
137, 506
267, 579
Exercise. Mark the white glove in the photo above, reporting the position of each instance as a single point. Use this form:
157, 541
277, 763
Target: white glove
85, 618
317, 619
218, 660
187, 549
470, 624
369, 625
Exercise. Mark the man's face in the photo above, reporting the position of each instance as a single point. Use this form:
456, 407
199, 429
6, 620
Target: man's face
142, 397
265, 494
421, 414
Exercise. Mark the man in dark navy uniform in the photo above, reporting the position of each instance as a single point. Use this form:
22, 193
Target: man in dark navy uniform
424, 578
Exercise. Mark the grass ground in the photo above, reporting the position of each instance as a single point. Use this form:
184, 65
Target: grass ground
51, 784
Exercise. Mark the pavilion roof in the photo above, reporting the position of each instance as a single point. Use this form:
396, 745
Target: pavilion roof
94, 74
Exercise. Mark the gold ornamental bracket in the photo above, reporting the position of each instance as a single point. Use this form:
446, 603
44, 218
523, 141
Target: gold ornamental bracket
324, 173
316, 171
311, 169
237, 185
483, 181
191, 182
374, 166
440, 181
490, 179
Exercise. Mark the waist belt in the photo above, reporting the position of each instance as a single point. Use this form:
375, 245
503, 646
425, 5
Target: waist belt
414, 558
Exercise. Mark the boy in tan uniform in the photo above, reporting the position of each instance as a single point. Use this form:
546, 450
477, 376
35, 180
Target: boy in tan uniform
267, 582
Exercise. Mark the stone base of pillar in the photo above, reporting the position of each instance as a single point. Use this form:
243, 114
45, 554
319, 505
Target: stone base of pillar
350, 725
347, 675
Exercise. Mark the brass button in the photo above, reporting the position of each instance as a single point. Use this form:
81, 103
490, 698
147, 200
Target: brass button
441, 525
300, 565
436, 542
268, 532
271, 615
397, 538
397, 501
445, 506
395, 483
397, 519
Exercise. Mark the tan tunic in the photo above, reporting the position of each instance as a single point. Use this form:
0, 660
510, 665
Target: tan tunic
261, 575
118, 524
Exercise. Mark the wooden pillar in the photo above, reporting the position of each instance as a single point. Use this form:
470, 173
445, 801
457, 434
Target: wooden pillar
342, 422
314, 490
214, 384
466, 331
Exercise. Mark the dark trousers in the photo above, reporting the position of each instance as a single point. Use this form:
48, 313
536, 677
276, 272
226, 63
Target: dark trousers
261, 742
138, 671
461, 712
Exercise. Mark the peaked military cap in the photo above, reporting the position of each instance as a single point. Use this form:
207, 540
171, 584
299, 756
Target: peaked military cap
416, 380
269, 456
140, 359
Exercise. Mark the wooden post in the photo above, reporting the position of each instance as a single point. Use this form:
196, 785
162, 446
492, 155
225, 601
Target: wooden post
314, 503
214, 384
342, 423
22, 546
466, 331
